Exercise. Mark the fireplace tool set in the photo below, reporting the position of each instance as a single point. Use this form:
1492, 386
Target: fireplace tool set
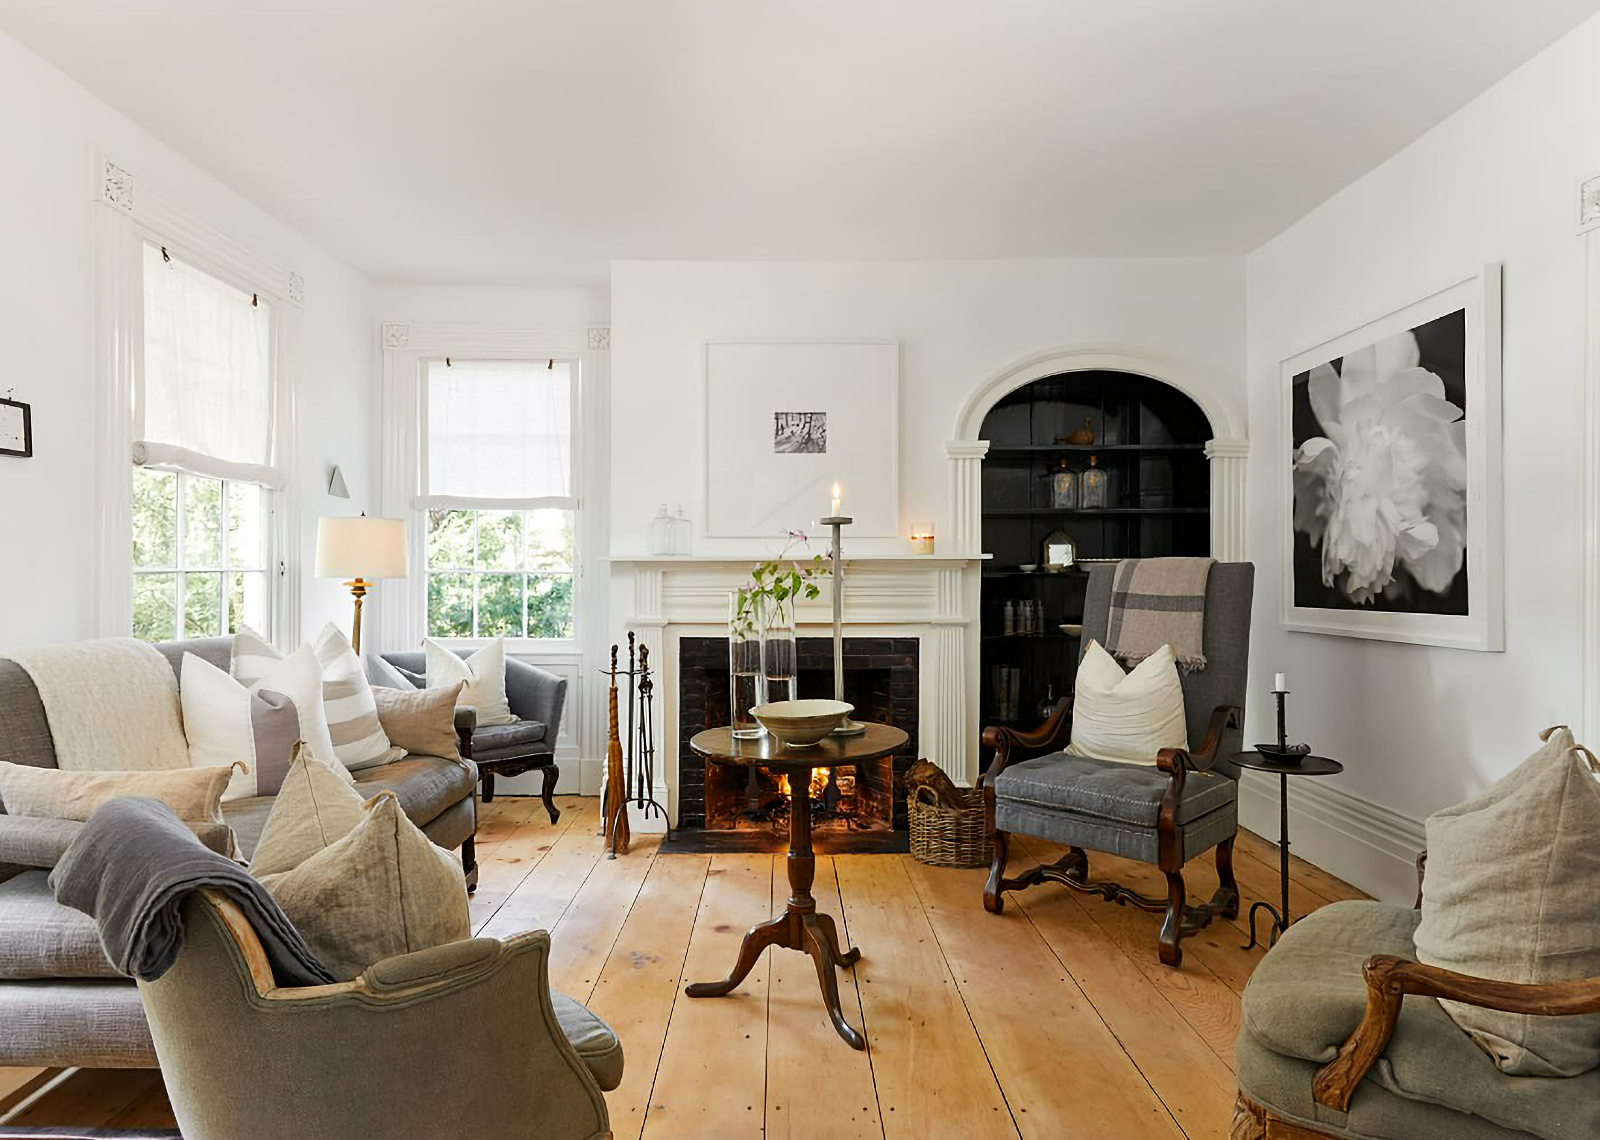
630, 767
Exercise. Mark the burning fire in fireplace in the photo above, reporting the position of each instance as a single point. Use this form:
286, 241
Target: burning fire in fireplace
819, 783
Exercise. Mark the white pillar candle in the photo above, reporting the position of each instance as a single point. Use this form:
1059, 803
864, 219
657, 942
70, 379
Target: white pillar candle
838, 498
1279, 684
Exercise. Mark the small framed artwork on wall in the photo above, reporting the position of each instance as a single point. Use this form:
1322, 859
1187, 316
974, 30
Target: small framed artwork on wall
1391, 482
16, 428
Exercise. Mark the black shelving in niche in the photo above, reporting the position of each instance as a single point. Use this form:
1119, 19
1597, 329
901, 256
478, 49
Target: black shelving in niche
1150, 440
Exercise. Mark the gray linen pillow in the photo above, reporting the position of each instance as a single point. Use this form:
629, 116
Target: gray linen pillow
1511, 894
384, 889
420, 720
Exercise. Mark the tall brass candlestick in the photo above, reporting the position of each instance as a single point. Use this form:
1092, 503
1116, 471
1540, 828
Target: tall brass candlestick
847, 727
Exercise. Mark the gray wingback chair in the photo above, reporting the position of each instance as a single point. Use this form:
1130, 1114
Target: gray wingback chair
537, 698
1167, 814
464, 1040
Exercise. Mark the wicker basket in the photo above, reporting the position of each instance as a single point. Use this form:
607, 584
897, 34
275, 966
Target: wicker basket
948, 837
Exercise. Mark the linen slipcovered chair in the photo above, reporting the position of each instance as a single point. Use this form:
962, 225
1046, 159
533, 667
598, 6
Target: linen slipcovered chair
463, 1040
1166, 814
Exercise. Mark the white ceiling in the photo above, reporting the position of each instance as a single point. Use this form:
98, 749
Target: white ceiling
530, 141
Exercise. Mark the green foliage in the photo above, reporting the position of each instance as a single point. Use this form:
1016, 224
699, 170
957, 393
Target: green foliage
499, 604
202, 522
775, 584
155, 606
523, 563
155, 517
550, 605
202, 605
450, 605
449, 540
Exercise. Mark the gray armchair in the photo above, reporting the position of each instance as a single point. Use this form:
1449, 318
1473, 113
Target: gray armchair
1167, 814
464, 1040
537, 698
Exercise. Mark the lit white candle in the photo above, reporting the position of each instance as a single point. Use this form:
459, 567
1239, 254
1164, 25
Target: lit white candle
1279, 683
838, 497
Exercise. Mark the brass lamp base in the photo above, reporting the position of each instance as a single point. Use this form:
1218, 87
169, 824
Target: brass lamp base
358, 590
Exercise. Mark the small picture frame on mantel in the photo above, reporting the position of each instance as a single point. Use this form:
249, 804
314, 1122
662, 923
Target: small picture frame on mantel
16, 428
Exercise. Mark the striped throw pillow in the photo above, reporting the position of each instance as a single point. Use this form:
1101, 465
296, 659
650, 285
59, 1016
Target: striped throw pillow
358, 737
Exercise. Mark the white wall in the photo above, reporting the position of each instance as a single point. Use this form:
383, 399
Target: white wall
1421, 728
52, 129
957, 322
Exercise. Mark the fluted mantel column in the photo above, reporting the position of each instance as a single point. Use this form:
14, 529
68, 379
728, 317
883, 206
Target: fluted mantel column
1229, 461
966, 492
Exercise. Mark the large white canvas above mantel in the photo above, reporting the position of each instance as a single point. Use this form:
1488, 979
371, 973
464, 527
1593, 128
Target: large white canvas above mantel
785, 420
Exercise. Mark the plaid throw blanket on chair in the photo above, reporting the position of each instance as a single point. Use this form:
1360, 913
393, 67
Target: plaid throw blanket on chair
1156, 602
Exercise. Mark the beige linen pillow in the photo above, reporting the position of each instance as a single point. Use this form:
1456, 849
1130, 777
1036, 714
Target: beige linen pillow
420, 720
384, 889
194, 794
482, 675
1127, 717
1513, 894
315, 807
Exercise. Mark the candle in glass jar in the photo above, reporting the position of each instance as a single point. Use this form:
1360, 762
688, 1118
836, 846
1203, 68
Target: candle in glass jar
838, 498
1279, 683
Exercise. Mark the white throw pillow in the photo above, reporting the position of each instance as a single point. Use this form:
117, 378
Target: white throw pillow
482, 677
1127, 717
218, 719
356, 737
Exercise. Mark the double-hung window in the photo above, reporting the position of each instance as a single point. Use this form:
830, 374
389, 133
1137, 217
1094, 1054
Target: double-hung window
499, 498
204, 451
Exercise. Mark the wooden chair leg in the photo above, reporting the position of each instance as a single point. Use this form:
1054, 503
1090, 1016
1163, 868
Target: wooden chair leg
548, 791
1172, 925
992, 890
469, 863
488, 785
1228, 885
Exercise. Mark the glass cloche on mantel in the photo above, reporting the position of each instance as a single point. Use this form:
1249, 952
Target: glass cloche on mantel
662, 529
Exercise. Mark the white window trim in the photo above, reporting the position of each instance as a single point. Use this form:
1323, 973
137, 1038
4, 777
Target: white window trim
402, 602
130, 214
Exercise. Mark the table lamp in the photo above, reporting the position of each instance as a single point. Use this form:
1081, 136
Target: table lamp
360, 548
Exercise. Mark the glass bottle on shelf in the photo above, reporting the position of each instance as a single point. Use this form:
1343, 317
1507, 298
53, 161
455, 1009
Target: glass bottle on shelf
1009, 626
682, 533
1064, 488
1092, 486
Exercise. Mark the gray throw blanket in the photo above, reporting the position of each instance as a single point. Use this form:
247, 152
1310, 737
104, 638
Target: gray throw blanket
130, 869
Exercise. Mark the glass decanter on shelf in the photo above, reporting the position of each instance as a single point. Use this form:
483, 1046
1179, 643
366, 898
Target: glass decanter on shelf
1064, 488
1092, 486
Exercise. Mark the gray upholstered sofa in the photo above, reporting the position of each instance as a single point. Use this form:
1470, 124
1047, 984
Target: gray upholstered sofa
61, 1002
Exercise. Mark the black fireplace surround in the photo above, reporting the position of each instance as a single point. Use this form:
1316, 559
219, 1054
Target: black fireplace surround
880, 680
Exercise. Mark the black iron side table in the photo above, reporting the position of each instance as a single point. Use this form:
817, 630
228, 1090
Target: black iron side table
1304, 766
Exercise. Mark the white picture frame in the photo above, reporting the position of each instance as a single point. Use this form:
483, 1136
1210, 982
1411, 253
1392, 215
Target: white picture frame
1482, 626
786, 419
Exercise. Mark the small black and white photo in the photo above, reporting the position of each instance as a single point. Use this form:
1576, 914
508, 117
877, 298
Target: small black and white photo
16, 428
1380, 475
800, 433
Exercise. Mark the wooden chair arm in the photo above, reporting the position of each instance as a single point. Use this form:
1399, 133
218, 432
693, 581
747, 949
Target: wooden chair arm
1003, 739
1223, 717
1389, 979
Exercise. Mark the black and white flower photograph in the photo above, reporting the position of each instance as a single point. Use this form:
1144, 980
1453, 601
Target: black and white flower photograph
800, 433
1380, 475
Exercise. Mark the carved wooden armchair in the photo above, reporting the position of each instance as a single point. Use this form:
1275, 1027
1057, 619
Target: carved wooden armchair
1183, 806
1406, 1070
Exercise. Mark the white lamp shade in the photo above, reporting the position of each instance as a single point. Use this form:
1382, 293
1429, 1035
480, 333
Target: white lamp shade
361, 547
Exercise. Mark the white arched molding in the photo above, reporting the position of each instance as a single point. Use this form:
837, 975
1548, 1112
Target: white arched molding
1229, 460
1227, 451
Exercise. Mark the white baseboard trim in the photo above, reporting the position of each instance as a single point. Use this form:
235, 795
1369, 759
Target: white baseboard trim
1365, 844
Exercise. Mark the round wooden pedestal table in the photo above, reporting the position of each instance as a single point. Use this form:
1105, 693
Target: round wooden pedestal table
799, 927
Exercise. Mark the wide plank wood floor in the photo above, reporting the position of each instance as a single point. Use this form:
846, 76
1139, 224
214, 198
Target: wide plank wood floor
1054, 1020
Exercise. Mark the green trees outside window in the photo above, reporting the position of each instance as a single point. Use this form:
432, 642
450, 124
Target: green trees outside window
500, 573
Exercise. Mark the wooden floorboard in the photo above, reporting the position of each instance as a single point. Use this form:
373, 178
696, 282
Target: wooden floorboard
1055, 1019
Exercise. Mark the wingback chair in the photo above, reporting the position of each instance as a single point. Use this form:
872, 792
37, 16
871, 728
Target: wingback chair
463, 1040
1165, 814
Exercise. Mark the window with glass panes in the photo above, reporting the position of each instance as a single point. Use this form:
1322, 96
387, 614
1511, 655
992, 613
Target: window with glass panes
199, 564
500, 573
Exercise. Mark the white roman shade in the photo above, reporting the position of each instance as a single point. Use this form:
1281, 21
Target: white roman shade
203, 399
498, 435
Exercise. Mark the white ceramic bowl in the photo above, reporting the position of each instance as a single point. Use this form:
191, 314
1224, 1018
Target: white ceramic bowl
800, 724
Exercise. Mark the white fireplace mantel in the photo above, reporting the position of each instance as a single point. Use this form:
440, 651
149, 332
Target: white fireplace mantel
929, 597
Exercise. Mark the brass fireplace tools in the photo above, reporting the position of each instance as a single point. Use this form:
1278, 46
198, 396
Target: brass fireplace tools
630, 766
